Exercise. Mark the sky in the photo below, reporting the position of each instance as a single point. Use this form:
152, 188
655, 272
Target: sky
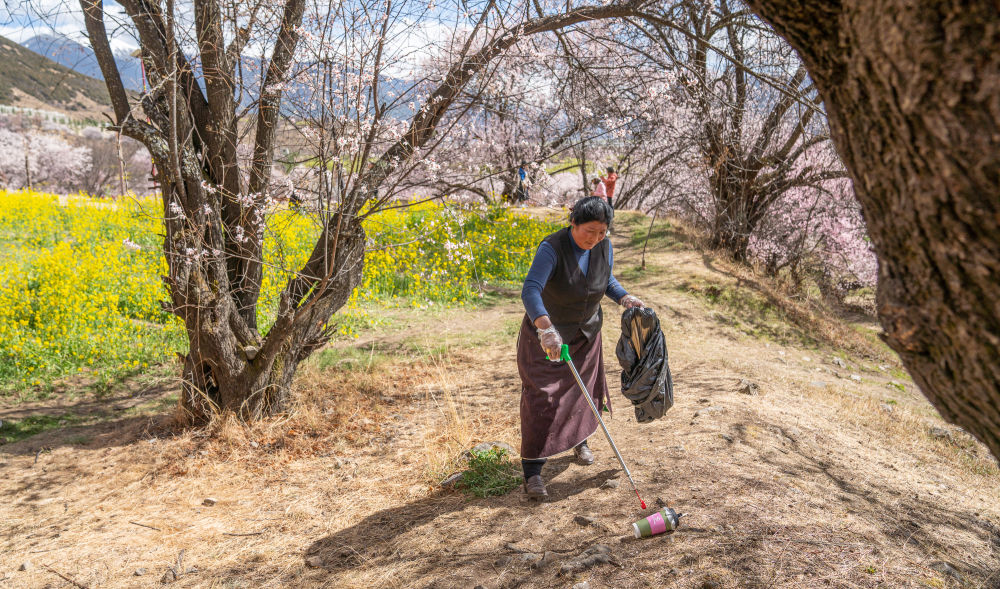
21, 20
418, 26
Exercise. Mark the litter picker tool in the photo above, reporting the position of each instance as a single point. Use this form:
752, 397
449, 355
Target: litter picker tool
586, 395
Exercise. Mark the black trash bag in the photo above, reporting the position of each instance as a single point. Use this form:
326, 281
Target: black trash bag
642, 353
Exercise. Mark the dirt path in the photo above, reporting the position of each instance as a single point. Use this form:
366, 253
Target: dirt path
820, 480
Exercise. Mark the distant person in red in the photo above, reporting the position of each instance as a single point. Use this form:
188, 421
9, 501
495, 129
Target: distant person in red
609, 184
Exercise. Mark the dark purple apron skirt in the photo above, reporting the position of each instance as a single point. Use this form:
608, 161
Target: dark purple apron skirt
554, 415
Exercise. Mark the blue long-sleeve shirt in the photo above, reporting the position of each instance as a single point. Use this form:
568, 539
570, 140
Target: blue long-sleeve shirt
544, 266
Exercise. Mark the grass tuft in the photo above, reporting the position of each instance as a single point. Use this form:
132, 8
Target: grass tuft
491, 473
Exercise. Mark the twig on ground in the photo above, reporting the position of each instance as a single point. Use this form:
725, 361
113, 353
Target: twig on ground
145, 526
250, 534
64, 577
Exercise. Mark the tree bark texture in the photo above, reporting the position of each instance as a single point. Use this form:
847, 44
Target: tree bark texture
912, 91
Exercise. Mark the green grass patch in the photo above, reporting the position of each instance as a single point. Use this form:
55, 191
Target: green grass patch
749, 312
665, 235
572, 164
20, 429
635, 273
154, 406
359, 358
491, 473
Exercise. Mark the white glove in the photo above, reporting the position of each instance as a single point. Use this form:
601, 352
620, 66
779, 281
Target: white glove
551, 342
629, 301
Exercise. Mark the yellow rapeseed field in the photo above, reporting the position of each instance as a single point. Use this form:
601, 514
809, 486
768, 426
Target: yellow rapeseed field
80, 286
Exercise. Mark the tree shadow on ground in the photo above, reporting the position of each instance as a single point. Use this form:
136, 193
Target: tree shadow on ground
741, 535
90, 405
377, 540
104, 431
108, 434
902, 518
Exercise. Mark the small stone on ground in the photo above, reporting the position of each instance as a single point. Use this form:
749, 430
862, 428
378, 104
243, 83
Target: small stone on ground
487, 446
546, 559
708, 411
452, 479
595, 555
314, 561
748, 387
947, 570
940, 433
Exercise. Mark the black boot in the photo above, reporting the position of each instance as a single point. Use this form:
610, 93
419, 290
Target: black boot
583, 453
534, 487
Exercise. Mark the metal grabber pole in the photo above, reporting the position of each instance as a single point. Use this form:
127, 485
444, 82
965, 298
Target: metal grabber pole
586, 395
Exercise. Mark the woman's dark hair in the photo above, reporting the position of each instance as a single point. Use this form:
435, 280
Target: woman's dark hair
592, 208
611, 170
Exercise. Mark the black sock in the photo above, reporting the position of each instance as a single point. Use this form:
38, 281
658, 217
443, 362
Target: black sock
532, 467
582, 444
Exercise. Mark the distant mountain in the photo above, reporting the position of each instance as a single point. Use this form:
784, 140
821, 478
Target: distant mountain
80, 58
298, 97
32, 80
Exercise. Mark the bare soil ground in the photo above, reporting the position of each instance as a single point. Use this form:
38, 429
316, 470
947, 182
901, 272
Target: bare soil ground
837, 474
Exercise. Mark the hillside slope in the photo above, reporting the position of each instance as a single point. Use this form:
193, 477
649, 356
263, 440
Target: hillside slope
81, 59
28, 79
836, 474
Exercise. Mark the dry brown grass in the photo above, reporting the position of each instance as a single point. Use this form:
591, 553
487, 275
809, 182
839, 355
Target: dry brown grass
820, 481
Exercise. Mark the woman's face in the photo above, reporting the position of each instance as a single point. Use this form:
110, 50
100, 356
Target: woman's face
587, 235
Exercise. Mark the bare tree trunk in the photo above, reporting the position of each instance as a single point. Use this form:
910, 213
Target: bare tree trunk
583, 168
911, 93
646, 241
121, 165
27, 165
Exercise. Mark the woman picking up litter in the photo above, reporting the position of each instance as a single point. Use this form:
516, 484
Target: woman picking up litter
571, 273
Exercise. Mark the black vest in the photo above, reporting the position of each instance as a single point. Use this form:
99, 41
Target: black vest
572, 299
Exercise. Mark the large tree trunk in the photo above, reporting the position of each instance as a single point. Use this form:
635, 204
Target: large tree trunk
912, 90
733, 225
225, 370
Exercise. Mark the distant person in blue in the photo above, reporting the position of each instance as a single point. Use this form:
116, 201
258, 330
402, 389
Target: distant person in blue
521, 192
570, 275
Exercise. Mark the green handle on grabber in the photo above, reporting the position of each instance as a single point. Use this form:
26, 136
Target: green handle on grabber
564, 354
